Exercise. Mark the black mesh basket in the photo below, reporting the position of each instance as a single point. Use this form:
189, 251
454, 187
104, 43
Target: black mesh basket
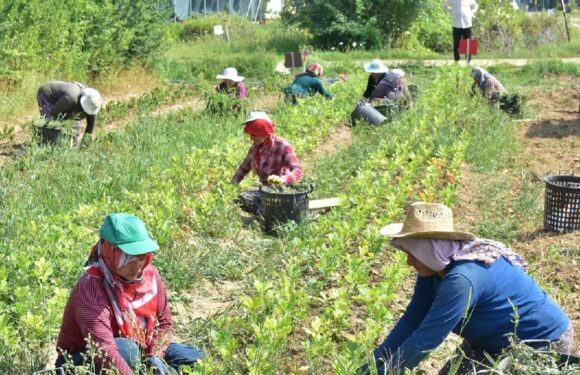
562, 204
279, 208
48, 136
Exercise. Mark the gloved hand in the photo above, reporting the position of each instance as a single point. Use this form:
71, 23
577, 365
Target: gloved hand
275, 180
158, 366
87, 140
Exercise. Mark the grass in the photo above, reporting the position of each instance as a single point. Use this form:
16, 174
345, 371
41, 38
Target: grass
173, 170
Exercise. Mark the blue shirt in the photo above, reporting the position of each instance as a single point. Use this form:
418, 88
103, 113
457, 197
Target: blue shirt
493, 293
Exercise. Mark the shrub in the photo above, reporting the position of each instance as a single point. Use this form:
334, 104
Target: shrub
78, 38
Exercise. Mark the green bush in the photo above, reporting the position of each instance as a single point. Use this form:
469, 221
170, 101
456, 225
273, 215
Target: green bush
432, 29
499, 27
77, 38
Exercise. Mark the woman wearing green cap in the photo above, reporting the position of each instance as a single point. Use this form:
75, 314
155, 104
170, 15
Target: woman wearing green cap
120, 304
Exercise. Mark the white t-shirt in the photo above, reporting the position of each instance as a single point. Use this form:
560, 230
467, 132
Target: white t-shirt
462, 12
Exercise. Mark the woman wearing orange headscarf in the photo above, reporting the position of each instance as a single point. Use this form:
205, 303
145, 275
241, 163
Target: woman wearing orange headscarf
270, 157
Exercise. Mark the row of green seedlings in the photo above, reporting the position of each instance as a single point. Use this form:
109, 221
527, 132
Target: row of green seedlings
328, 267
175, 190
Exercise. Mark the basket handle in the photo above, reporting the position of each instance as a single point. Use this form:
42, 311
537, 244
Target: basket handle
562, 171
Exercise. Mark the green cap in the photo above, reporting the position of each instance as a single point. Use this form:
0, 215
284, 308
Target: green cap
128, 233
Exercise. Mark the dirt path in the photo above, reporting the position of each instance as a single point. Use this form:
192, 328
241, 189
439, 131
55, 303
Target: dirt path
441, 62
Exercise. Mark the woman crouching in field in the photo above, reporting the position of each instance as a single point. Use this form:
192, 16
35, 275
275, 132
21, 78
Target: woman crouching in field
118, 316
476, 288
307, 84
488, 85
393, 87
270, 157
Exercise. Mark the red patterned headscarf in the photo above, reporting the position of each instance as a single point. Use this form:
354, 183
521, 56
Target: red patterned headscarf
134, 302
316, 69
260, 128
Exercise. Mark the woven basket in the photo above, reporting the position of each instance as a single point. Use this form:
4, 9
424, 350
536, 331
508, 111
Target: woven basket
562, 204
279, 208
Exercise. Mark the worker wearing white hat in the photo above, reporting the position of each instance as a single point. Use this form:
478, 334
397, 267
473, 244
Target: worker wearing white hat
271, 158
232, 84
58, 100
377, 71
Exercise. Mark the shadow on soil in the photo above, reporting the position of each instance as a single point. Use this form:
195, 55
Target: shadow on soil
555, 129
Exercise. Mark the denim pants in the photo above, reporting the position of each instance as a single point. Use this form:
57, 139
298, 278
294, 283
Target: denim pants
176, 355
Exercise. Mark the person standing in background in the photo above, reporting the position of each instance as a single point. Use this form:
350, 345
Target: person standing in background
462, 12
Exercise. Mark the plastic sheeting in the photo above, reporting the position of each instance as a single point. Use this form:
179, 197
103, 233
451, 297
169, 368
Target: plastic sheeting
246, 8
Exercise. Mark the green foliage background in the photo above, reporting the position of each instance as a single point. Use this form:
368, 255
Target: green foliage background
77, 38
415, 24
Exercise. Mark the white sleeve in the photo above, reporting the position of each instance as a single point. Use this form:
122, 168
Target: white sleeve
447, 6
474, 7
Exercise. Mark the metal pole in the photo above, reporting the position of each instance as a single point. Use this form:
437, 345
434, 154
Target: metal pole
257, 10
565, 19
249, 5
204, 8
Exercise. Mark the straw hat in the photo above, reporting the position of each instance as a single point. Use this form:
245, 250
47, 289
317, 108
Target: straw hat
91, 101
231, 74
376, 66
427, 220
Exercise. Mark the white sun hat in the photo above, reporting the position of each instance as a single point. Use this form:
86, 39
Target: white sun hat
91, 101
255, 115
376, 66
230, 73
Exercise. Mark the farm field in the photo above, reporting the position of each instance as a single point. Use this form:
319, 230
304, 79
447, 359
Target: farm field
318, 298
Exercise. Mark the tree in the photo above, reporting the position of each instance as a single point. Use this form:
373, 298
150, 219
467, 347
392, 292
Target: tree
373, 23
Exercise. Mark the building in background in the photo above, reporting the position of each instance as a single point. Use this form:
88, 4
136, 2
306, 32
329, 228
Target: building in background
253, 9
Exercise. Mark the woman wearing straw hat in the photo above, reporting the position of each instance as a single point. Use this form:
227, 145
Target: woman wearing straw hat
378, 71
58, 100
477, 288
270, 157
307, 84
118, 316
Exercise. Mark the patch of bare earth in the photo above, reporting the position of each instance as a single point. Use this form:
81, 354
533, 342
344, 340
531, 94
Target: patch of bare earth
209, 299
341, 138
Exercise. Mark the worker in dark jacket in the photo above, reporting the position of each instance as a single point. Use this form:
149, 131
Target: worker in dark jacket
378, 71
307, 84
58, 100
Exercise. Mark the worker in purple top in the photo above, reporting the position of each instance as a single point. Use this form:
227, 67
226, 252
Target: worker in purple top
474, 287
232, 84
377, 72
